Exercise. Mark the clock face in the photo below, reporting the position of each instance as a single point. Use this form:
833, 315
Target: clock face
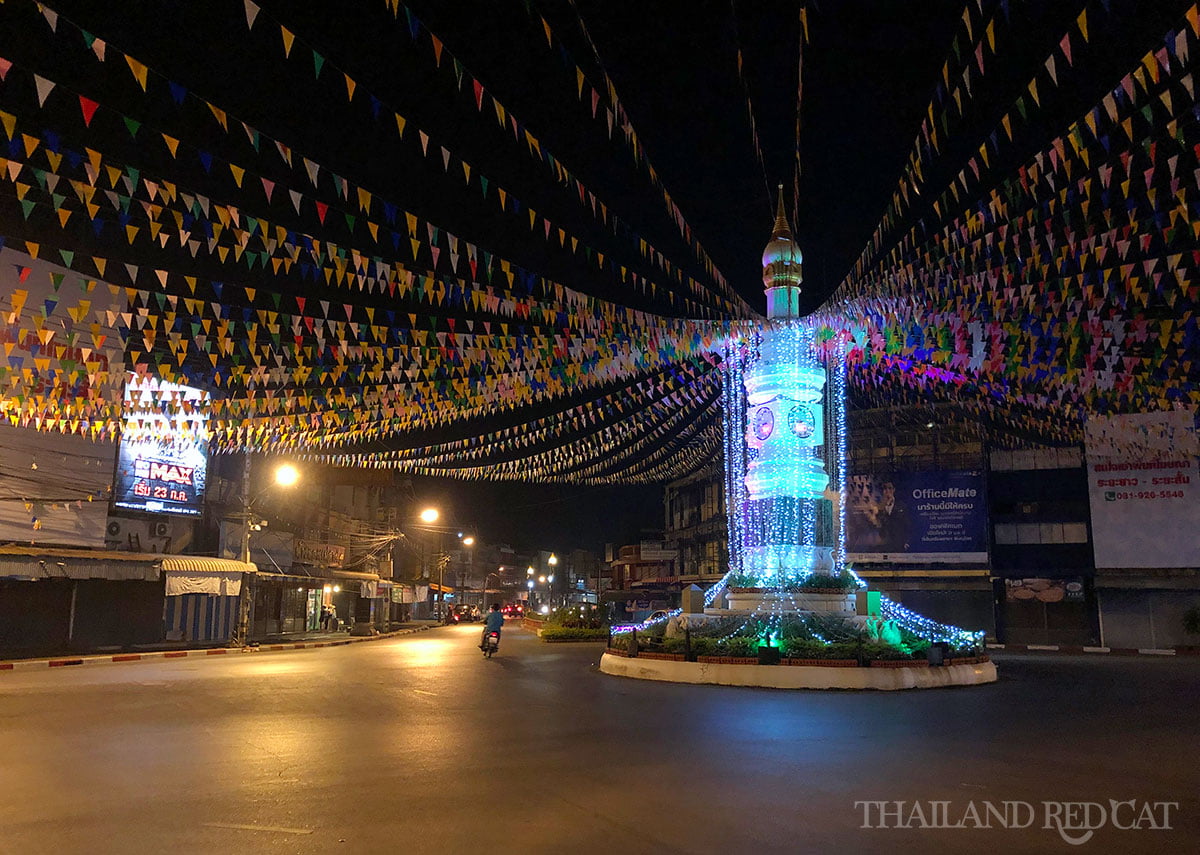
802, 421
764, 423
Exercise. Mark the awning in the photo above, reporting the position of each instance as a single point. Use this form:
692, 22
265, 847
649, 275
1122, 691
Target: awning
33, 563
268, 576
198, 574
354, 574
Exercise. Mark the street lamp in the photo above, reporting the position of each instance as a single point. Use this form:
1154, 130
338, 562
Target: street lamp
484, 593
552, 561
430, 516
285, 475
468, 542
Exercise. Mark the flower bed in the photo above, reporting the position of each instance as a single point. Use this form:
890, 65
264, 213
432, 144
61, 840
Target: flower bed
822, 663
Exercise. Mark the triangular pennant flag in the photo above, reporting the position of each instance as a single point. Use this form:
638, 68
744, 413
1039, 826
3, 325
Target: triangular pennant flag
251, 14
88, 106
44, 88
139, 71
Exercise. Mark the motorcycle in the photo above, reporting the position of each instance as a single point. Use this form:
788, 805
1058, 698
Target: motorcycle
491, 643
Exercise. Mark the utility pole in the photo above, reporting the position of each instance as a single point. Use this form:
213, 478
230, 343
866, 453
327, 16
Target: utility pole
242, 628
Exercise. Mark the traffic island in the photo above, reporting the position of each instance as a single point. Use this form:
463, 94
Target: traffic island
739, 671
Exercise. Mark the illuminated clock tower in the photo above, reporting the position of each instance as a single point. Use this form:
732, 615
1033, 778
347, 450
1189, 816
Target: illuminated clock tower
787, 520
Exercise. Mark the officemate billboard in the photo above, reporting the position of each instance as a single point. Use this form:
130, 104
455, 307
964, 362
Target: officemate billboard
922, 517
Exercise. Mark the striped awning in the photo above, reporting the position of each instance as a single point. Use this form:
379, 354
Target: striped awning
192, 563
199, 574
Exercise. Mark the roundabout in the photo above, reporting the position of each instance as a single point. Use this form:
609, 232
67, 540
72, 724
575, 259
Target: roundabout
791, 612
917, 675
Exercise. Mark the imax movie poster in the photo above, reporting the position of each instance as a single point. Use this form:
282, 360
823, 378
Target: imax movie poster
917, 518
163, 459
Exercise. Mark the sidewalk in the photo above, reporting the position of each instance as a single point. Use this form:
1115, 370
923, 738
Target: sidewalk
299, 642
1115, 651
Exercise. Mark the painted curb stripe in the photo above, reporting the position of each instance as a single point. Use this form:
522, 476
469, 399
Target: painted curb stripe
213, 651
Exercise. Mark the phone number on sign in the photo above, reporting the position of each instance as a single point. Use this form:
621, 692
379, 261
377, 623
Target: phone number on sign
1150, 494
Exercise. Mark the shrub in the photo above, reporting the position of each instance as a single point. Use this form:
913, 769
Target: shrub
553, 633
739, 646
841, 581
572, 617
704, 646
803, 648
674, 644
879, 650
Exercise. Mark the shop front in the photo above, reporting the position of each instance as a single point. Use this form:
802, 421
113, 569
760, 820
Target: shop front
285, 604
200, 597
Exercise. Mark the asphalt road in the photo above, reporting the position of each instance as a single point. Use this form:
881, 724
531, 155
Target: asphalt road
417, 744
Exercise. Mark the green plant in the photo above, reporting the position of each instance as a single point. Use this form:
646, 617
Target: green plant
585, 616
803, 648
558, 633
739, 646
743, 580
674, 644
704, 646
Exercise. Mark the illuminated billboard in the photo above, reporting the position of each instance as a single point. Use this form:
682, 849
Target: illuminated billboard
163, 459
917, 518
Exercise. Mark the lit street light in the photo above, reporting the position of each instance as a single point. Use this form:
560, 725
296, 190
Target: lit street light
285, 475
430, 516
468, 542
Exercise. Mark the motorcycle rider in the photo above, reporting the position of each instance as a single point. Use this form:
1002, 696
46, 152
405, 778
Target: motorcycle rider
495, 622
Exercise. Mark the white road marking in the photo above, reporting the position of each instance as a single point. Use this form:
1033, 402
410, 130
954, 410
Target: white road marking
281, 829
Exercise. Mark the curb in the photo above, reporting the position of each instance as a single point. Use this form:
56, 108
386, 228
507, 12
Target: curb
1069, 648
63, 662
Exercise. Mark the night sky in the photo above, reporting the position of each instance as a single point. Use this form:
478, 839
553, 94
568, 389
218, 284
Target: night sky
870, 69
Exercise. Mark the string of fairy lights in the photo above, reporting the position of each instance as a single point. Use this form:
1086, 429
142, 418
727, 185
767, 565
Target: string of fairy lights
775, 546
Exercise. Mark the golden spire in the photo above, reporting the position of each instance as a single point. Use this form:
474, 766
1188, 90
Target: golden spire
782, 268
781, 224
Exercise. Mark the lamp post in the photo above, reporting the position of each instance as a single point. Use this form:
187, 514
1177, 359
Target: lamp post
484, 592
429, 516
285, 475
468, 542
553, 562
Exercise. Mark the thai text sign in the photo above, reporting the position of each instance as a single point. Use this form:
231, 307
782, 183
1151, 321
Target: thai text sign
320, 554
1142, 488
